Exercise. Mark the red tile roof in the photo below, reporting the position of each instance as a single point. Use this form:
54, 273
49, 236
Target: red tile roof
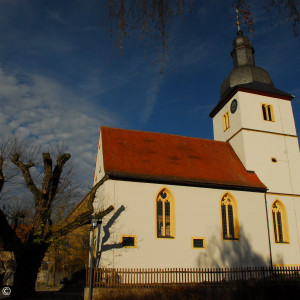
170, 158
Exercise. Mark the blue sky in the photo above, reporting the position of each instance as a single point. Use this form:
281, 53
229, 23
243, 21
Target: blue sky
61, 77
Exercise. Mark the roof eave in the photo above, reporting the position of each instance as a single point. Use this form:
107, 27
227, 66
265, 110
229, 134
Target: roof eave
237, 88
181, 181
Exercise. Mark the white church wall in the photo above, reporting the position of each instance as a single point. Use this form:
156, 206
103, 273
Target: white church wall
287, 253
287, 117
297, 218
99, 169
249, 116
292, 145
197, 213
252, 116
238, 145
259, 149
259, 141
234, 121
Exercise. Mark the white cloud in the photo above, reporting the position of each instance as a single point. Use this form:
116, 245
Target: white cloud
44, 110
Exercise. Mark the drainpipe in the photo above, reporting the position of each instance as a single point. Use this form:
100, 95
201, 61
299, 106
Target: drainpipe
271, 261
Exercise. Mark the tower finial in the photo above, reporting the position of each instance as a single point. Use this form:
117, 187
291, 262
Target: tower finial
237, 20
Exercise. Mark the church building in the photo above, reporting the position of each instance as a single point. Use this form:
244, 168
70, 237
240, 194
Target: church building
183, 202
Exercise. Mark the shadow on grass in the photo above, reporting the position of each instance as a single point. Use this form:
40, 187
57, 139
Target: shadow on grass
72, 289
60, 295
248, 291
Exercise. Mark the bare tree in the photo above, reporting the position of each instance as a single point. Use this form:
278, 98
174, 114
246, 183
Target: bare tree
47, 188
152, 19
286, 11
8, 146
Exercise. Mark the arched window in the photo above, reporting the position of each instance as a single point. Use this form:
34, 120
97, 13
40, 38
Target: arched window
165, 214
229, 215
225, 121
280, 223
267, 111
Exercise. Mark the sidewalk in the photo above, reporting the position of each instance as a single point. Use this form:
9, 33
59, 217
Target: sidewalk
72, 293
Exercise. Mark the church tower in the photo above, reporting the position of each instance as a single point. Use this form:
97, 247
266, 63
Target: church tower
257, 120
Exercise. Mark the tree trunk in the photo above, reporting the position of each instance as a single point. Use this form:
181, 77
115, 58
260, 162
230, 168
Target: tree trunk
28, 264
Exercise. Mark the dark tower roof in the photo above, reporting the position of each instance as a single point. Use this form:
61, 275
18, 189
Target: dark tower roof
245, 75
244, 69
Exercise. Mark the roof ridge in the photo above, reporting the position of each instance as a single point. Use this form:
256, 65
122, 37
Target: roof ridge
160, 133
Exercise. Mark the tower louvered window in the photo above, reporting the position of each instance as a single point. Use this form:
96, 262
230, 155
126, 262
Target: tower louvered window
226, 121
267, 111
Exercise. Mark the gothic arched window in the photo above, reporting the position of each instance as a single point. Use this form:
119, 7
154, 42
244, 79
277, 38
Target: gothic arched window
280, 223
229, 216
165, 214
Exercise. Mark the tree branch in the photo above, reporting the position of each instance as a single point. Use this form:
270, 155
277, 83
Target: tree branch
92, 194
61, 160
82, 219
1, 173
26, 175
47, 160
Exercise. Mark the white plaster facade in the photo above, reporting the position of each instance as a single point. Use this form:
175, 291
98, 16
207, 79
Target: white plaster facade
197, 209
197, 214
256, 142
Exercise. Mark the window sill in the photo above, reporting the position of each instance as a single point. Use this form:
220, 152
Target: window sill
165, 237
231, 239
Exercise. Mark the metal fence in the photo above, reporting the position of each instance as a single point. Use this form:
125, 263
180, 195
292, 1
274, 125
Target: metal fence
122, 277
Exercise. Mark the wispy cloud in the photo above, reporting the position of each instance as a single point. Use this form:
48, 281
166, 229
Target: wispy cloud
43, 110
203, 110
150, 100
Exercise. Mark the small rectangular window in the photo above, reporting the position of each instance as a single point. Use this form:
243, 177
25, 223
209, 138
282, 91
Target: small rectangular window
198, 243
128, 241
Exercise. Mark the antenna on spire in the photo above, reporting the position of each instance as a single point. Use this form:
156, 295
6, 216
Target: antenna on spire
237, 20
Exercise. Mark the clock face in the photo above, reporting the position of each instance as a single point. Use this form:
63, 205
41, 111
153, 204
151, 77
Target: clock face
233, 106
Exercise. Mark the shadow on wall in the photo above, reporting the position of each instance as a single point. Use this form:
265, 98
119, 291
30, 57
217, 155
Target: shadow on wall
221, 253
106, 229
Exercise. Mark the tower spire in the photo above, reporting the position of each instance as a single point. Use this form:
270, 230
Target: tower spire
237, 20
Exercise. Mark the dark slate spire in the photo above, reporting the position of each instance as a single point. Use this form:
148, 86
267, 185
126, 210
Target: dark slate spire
244, 69
245, 75
242, 53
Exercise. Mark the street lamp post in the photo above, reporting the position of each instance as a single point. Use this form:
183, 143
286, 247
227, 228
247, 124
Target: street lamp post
94, 223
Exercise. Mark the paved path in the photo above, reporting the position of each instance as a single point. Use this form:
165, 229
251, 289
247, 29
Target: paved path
56, 294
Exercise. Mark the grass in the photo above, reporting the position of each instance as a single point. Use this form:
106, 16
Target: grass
253, 291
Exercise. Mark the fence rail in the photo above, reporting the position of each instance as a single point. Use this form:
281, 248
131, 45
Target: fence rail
122, 277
